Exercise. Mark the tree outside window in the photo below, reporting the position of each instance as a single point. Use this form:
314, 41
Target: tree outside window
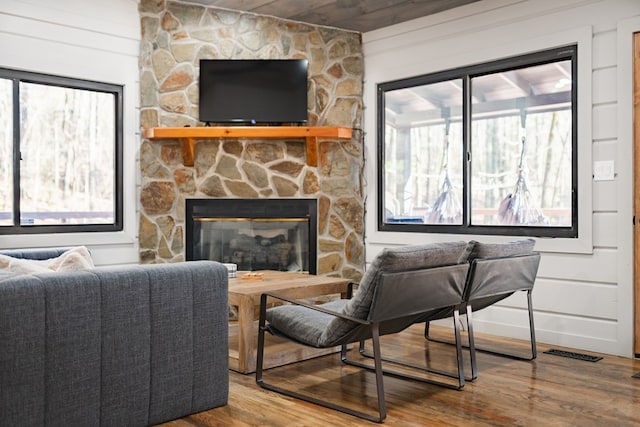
60, 141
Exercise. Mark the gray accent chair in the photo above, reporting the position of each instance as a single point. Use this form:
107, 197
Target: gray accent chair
126, 346
497, 271
403, 286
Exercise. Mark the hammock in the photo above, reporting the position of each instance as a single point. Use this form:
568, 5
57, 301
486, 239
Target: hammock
519, 207
447, 208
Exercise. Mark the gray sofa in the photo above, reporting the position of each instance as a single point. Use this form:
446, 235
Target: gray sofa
128, 346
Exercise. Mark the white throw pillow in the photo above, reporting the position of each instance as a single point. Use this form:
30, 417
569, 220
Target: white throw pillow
23, 266
77, 258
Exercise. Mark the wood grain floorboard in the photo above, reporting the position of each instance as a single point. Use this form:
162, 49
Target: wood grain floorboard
549, 391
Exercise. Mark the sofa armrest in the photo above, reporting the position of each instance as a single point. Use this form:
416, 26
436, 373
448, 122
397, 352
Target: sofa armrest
34, 253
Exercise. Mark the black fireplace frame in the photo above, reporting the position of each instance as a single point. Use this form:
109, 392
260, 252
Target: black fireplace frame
254, 208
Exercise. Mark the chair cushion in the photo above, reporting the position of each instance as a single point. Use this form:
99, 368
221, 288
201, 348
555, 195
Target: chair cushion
404, 258
495, 288
496, 250
302, 324
322, 330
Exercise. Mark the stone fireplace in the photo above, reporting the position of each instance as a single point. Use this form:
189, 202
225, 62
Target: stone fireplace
254, 234
175, 36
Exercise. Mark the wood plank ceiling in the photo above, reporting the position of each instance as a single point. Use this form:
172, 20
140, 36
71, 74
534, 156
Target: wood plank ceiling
354, 15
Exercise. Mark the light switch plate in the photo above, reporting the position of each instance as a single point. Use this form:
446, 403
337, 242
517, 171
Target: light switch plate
604, 170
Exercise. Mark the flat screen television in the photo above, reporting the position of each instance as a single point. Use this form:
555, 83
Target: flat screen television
248, 91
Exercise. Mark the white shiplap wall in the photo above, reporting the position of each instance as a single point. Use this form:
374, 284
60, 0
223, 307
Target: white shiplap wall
93, 40
583, 295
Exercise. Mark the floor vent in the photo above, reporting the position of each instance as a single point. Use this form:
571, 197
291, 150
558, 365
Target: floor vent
636, 375
572, 355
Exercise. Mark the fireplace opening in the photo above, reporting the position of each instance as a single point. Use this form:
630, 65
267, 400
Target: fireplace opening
255, 234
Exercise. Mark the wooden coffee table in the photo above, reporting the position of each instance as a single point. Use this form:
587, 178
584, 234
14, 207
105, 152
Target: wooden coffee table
244, 294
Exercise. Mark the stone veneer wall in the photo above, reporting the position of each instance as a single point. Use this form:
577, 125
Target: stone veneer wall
175, 36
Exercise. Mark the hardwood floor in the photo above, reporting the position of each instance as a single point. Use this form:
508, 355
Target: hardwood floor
550, 391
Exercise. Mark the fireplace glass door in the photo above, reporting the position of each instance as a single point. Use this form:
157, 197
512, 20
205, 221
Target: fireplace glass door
255, 234
254, 243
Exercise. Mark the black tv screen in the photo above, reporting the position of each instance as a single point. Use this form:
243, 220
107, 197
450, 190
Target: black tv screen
271, 91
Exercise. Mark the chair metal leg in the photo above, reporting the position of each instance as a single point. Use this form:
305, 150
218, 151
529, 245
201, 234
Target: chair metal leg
375, 339
261, 330
472, 346
382, 411
459, 361
532, 334
532, 329
456, 328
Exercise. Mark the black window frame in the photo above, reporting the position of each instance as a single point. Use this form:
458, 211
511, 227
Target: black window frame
18, 76
569, 52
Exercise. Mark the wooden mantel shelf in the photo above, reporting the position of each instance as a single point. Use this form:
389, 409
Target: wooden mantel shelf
187, 136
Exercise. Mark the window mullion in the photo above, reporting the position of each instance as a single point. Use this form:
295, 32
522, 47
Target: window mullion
466, 150
16, 152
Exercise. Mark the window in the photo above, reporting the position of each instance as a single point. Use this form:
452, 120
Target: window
486, 149
60, 154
